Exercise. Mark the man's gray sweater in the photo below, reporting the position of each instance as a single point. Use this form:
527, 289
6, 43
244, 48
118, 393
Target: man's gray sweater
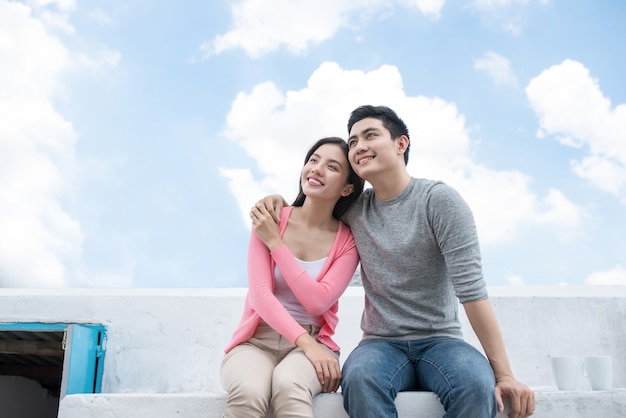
419, 253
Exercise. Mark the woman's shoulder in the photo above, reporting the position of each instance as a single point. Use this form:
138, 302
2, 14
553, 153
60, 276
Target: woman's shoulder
285, 213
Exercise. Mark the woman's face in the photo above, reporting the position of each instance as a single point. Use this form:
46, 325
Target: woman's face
325, 174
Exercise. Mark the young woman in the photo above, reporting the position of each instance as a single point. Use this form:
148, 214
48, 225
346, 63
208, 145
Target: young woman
282, 353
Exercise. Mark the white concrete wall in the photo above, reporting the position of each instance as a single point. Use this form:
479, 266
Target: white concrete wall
171, 340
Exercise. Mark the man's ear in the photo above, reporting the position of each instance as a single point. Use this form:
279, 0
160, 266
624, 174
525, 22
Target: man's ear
403, 144
348, 190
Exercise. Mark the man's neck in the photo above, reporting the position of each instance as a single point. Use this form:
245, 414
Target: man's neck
390, 185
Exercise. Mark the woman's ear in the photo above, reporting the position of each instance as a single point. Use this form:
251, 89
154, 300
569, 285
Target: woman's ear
348, 190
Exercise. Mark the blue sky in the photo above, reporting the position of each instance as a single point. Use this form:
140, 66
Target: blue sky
134, 136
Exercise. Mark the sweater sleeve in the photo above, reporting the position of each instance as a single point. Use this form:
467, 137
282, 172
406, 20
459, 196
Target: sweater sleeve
455, 230
317, 296
261, 292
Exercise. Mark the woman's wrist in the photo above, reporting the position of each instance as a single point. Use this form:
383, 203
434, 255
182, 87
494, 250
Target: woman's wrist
274, 244
305, 340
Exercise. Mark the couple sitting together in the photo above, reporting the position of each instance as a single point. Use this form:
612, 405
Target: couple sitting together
418, 247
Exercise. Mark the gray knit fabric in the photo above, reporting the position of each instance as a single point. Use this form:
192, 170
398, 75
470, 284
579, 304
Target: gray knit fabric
419, 252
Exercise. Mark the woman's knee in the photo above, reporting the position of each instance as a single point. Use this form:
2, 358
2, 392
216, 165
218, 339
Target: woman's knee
250, 389
246, 399
293, 396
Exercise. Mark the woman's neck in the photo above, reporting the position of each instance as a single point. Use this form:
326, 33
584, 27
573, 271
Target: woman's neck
315, 214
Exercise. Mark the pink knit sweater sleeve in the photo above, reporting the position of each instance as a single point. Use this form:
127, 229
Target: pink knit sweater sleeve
261, 290
317, 296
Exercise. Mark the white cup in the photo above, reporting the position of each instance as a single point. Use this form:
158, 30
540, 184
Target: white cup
599, 371
565, 370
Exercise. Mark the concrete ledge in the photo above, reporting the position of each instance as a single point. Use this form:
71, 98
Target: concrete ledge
164, 346
550, 404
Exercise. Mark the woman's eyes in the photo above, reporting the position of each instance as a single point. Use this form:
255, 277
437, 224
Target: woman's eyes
330, 167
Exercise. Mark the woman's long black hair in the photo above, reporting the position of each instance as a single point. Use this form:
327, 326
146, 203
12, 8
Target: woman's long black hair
357, 182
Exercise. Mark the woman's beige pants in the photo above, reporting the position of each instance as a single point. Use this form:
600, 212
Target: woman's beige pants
269, 370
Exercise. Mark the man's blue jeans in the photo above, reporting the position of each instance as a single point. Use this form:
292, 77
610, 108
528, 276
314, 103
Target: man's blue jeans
376, 370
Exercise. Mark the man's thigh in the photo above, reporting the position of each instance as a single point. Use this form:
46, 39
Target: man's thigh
381, 362
443, 364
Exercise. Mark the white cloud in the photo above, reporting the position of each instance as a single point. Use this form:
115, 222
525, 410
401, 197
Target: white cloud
497, 67
558, 210
54, 13
57, 20
36, 155
99, 58
570, 105
275, 128
430, 8
246, 189
616, 276
62, 5
262, 26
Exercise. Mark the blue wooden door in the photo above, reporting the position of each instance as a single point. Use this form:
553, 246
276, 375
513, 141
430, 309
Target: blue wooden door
84, 358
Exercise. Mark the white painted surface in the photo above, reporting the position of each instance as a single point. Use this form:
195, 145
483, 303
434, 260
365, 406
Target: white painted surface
211, 406
550, 404
170, 341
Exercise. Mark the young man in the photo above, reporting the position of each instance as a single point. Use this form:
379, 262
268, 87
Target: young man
419, 253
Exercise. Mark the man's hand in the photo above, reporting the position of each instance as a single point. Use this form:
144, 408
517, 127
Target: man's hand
265, 227
273, 203
521, 396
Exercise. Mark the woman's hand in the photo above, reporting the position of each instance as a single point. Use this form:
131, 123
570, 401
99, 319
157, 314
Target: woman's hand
325, 362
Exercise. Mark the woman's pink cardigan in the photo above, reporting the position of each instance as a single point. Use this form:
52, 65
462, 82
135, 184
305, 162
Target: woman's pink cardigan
318, 297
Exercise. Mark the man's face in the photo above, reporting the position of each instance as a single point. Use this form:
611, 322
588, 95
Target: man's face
371, 149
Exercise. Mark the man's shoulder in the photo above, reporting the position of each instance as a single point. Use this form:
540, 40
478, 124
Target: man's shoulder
430, 186
440, 196
426, 183
366, 195
422, 188
357, 206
